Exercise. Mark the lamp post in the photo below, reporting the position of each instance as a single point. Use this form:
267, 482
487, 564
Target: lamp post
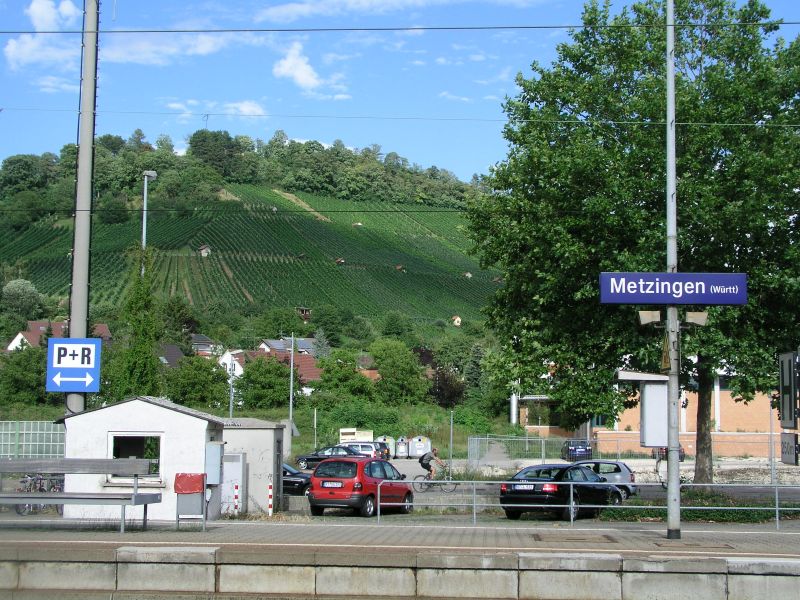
231, 377
148, 176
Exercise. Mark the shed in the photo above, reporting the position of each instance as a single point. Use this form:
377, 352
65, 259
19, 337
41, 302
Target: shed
140, 427
262, 443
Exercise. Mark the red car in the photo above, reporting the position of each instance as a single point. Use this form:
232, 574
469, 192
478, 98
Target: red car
351, 482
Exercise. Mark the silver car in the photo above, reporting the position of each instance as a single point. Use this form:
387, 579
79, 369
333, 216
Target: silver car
614, 472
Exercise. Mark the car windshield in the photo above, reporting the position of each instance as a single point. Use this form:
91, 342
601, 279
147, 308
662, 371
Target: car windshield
336, 468
289, 469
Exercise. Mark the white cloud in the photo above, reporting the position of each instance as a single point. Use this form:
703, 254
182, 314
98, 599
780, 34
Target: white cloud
453, 97
300, 9
503, 76
477, 57
32, 50
295, 66
332, 57
245, 108
46, 16
29, 49
50, 84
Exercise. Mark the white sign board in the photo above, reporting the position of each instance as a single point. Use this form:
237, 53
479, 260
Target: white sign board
789, 448
653, 414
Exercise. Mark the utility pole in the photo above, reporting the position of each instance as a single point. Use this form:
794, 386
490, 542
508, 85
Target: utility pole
673, 324
79, 293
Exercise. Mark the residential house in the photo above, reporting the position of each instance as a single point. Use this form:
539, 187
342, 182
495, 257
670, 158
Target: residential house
301, 345
234, 361
37, 330
170, 355
203, 345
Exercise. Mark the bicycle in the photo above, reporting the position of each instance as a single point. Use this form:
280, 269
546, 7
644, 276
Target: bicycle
422, 483
30, 483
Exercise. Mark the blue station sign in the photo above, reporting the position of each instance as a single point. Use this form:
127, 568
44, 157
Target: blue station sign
73, 365
673, 288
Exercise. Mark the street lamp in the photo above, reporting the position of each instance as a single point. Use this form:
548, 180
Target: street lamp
148, 176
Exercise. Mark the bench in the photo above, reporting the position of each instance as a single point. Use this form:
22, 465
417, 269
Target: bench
123, 467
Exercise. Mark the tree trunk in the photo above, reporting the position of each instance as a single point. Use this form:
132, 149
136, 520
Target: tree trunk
703, 469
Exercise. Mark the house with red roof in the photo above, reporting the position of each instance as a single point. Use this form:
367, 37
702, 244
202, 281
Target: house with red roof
38, 330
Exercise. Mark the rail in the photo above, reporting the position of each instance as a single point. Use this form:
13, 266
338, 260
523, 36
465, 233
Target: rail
481, 496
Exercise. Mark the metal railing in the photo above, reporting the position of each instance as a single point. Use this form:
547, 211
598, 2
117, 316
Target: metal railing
494, 450
474, 497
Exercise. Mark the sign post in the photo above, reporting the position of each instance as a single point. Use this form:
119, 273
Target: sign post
73, 365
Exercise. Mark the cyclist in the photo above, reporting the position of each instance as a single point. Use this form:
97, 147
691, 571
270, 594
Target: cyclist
427, 459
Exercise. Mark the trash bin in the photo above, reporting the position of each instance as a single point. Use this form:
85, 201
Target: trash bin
401, 447
418, 446
389, 441
191, 497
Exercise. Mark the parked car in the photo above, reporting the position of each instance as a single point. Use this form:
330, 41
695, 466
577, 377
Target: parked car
573, 450
542, 485
311, 460
351, 482
371, 449
615, 472
661, 453
295, 483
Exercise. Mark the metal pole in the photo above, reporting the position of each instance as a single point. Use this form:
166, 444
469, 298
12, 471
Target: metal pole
450, 467
144, 214
79, 293
291, 383
673, 326
772, 475
230, 384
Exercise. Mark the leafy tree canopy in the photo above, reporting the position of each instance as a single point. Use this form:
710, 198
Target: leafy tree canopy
197, 381
582, 191
21, 298
402, 379
265, 384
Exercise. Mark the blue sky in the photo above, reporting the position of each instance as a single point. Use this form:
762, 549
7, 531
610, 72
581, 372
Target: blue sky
434, 97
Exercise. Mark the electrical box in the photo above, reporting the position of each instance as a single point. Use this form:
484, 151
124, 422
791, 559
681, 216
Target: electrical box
234, 484
214, 453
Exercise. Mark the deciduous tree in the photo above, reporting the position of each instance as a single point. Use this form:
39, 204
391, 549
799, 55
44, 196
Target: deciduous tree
582, 191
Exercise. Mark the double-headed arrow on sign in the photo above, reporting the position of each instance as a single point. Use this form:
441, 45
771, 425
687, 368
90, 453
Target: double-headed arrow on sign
58, 378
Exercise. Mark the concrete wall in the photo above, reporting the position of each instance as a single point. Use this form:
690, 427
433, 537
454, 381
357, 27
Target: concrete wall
204, 572
89, 435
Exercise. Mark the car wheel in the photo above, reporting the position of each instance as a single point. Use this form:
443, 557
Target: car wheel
368, 508
513, 515
302, 463
615, 499
306, 490
625, 493
316, 511
408, 504
570, 513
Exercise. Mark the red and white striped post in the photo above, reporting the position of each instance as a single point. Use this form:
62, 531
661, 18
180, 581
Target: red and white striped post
236, 498
269, 500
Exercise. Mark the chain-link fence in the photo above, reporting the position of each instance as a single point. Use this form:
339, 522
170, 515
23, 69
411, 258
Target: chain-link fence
31, 439
505, 451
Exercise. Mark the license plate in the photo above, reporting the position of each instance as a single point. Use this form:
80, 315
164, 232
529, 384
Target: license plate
332, 484
523, 486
